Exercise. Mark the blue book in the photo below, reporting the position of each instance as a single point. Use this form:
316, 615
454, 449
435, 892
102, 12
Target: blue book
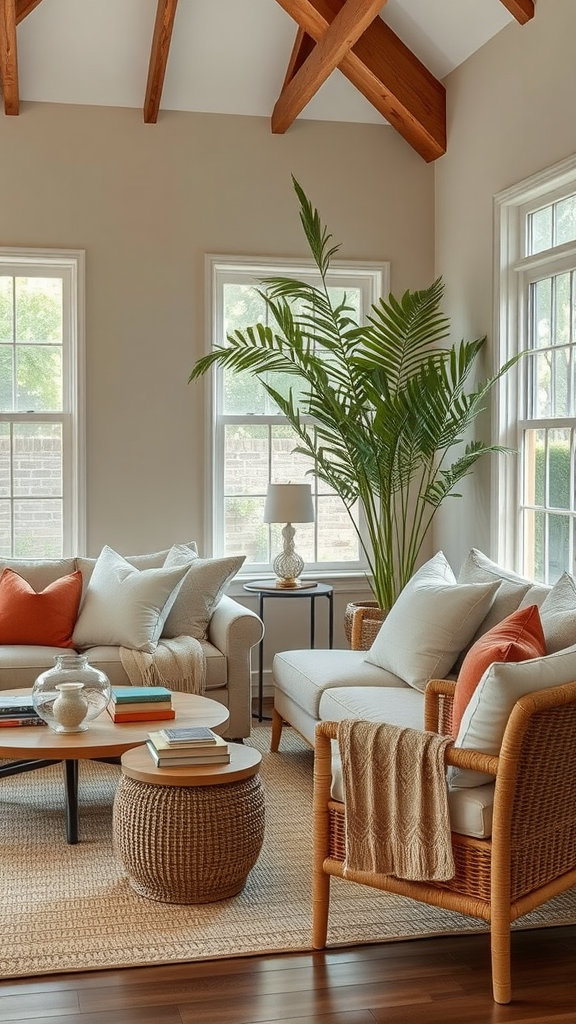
140, 694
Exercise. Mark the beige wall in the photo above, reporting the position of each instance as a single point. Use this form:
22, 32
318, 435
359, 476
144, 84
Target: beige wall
147, 202
510, 114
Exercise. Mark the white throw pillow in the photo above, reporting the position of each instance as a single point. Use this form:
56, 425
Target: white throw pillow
430, 623
151, 560
125, 606
558, 614
204, 583
486, 716
478, 568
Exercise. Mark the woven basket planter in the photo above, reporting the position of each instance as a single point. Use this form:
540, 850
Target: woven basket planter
362, 621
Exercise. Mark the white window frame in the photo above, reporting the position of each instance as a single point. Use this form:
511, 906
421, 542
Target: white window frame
223, 269
513, 274
69, 266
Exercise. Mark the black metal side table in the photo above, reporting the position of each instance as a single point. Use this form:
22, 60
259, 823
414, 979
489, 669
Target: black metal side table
266, 589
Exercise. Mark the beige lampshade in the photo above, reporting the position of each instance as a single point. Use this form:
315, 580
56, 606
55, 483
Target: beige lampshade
289, 503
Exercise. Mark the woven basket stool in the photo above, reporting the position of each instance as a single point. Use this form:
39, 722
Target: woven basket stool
189, 835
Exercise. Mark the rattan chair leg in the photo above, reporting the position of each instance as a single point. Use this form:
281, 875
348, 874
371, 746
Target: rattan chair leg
277, 722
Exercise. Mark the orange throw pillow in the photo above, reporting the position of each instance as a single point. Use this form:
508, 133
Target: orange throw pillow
42, 620
519, 637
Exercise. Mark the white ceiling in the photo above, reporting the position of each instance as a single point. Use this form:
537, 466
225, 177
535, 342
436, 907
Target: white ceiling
226, 56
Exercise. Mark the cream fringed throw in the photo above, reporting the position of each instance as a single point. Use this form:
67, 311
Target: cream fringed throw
397, 820
178, 664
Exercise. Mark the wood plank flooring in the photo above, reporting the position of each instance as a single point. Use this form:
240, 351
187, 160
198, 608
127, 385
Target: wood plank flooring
444, 980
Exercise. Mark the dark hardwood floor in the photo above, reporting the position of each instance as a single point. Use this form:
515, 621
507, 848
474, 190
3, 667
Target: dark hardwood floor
443, 980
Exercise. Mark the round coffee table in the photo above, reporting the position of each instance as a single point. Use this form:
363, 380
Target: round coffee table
37, 747
189, 834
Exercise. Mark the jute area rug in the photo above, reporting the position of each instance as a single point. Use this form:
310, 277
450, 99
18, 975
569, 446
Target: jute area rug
71, 908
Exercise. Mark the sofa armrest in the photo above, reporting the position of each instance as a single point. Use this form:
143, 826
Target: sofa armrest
234, 630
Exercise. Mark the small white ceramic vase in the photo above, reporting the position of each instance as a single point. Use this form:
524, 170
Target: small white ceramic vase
70, 707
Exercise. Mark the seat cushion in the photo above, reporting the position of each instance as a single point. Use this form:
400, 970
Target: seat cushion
402, 706
107, 659
20, 665
304, 675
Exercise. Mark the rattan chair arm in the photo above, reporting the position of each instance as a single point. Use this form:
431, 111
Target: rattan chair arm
438, 701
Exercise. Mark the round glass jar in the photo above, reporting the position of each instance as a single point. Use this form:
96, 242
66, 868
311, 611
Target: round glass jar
71, 694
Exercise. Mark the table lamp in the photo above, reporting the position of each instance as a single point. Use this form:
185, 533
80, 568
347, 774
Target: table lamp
288, 503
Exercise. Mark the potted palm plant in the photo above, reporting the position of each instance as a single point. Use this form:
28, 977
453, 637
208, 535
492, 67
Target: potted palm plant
390, 407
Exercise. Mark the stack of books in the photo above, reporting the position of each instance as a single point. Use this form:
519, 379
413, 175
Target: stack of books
195, 745
141, 704
18, 710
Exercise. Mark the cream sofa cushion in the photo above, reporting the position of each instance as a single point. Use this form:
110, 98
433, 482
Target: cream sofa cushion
304, 675
430, 623
125, 606
39, 574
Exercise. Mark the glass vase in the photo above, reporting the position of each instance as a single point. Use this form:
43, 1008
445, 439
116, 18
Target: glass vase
71, 694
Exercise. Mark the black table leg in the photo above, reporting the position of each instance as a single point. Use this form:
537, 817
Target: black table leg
71, 788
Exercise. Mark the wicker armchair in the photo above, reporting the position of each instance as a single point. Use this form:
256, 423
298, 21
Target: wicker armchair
531, 855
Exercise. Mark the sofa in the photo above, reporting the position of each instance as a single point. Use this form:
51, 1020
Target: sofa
102, 606
487, 628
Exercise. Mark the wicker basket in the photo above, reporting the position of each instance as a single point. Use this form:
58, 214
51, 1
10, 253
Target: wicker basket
362, 622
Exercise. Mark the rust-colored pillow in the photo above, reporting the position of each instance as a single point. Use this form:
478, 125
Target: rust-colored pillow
517, 638
46, 619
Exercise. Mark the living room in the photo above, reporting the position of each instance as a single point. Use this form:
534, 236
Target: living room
147, 202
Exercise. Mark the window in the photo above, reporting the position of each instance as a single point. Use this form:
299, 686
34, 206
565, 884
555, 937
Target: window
41, 403
537, 402
253, 443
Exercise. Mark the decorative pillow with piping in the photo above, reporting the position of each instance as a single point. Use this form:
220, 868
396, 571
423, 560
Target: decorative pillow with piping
558, 613
204, 583
517, 638
484, 720
431, 621
125, 606
44, 619
478, 568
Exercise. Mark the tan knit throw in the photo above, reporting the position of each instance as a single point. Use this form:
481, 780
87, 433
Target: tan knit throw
178, 664
397, 820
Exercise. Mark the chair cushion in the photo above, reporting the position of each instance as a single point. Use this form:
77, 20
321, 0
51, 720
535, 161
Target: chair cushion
517, 638
430, 623
403, 706
484, 720
304, 675
202, 587
44, 619
125, 606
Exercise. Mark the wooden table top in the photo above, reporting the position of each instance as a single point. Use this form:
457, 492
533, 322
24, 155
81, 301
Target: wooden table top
244, 762
103, 737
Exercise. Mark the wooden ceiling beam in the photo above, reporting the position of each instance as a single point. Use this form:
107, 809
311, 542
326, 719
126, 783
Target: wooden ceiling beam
303, 46
165, 14
387, 73
24, 7
9, 57
523, 10
345, 30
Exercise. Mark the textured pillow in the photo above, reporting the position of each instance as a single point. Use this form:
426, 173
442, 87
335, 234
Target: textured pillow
125, 606
558, 613
485, 718
431, 621
517, 638
43, 620
204, 583
478, 568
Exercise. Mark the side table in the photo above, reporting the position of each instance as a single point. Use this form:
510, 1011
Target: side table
189, 834
266, 589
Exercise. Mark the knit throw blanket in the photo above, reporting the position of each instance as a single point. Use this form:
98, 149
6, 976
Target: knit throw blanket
397, 820
178, 664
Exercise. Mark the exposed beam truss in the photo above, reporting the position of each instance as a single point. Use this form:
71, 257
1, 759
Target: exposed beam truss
348, 25
165, 15
384, 70
9, 57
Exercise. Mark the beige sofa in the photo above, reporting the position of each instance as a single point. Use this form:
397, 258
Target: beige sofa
426, 636
229, 634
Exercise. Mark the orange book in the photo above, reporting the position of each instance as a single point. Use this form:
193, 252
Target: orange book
141, 716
